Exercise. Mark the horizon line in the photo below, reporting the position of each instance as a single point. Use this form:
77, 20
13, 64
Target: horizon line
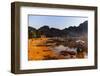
57, 28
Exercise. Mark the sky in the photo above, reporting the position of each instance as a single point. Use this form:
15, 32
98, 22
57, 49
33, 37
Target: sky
60, 22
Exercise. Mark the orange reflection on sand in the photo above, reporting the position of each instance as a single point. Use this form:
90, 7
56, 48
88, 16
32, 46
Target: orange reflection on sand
37, 50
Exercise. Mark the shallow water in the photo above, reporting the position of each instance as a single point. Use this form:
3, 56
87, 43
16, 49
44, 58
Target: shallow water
39, 50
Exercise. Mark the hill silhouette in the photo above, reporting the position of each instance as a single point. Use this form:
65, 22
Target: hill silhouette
71, 31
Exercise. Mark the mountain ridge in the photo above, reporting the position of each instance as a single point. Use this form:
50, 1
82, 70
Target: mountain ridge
72, 31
